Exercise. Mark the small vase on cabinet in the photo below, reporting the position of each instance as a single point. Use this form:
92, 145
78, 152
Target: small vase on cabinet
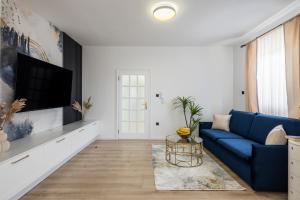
4, 143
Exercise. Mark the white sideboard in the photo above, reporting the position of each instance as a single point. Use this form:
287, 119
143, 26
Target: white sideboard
294, 170
30, 160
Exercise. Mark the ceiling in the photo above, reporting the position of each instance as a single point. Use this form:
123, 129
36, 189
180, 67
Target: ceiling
130, 23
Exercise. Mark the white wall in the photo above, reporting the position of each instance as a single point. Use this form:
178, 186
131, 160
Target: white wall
203, 72
239, 63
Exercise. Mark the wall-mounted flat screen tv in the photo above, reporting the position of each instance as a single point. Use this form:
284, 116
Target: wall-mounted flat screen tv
43, 85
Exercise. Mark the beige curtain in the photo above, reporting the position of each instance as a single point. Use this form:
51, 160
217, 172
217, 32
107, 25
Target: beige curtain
251, 81
292, 51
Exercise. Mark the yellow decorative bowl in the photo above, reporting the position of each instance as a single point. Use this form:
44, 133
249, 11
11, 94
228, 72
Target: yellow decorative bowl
183, 132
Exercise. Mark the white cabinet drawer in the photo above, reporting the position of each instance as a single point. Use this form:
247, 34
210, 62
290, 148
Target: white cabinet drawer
95, 128
293, 194
294, 151
294, 167
20, 171
57, 150
83, 136
78, 139
90, 132
294, 180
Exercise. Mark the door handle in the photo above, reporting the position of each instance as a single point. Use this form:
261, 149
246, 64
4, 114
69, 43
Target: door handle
146, 105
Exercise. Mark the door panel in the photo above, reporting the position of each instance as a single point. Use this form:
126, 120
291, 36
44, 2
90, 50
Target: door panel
133, 108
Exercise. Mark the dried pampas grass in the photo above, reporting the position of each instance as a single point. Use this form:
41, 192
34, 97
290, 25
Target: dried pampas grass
86, 106
76, 106
6, 114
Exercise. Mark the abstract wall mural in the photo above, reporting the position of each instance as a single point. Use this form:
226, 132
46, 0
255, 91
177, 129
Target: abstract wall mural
25, 32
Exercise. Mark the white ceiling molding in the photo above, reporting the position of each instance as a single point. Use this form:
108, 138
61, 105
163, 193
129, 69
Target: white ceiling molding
284, 15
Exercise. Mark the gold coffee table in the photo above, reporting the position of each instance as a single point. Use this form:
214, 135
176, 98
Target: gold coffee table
184, 152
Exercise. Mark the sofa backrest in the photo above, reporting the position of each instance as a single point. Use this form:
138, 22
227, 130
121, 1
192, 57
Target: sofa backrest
263, 124
241, 122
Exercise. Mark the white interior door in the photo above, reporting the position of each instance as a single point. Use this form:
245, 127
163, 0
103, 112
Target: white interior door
133, 104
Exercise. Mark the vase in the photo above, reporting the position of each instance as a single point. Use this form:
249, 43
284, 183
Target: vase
83, 118
4, 143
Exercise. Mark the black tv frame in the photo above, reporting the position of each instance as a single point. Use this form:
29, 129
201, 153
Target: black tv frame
19, 55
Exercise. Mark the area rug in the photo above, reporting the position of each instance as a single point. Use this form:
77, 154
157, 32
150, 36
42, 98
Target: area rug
209, 176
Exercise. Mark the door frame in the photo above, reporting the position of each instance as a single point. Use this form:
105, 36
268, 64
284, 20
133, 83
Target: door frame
147, 72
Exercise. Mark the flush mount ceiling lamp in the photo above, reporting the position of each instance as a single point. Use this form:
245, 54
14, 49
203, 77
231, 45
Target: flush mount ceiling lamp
164, 11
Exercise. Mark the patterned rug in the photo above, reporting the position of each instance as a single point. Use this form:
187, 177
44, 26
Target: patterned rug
209, 176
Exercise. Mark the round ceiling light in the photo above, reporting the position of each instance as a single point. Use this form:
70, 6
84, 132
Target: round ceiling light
164, 12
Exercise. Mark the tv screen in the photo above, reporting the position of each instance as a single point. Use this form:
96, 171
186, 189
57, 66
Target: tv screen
43, 85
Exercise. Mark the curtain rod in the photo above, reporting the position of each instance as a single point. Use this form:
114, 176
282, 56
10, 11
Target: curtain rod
268, 31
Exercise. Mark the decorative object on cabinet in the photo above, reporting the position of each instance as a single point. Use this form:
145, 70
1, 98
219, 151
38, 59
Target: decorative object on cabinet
17, 130
86, 106
6, 115
4, 144
191, 110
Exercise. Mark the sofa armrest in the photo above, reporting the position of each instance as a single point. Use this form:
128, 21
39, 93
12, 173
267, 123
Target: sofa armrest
269, 167
204, 125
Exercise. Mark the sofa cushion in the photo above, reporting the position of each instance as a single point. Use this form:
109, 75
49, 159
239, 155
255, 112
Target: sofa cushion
221, 122
218, 134
240, 147
263, 124
277, 136
240, 122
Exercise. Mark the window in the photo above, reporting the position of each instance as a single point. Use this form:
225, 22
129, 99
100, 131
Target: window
271, 73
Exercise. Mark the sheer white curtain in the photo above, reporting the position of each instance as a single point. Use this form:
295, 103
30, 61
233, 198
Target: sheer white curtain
271, 73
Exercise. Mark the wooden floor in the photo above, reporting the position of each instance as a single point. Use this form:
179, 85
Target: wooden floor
112, 170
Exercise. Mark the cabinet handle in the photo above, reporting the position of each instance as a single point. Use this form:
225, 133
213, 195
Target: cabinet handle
15, 162
292, 177
292, 148
58, 141
292, 163
81, 130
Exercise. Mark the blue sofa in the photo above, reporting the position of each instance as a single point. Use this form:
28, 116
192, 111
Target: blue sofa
243, 149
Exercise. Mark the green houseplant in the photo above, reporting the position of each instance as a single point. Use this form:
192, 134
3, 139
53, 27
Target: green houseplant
191, 110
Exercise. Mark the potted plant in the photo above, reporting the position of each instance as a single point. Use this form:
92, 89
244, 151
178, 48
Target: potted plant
192, 114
